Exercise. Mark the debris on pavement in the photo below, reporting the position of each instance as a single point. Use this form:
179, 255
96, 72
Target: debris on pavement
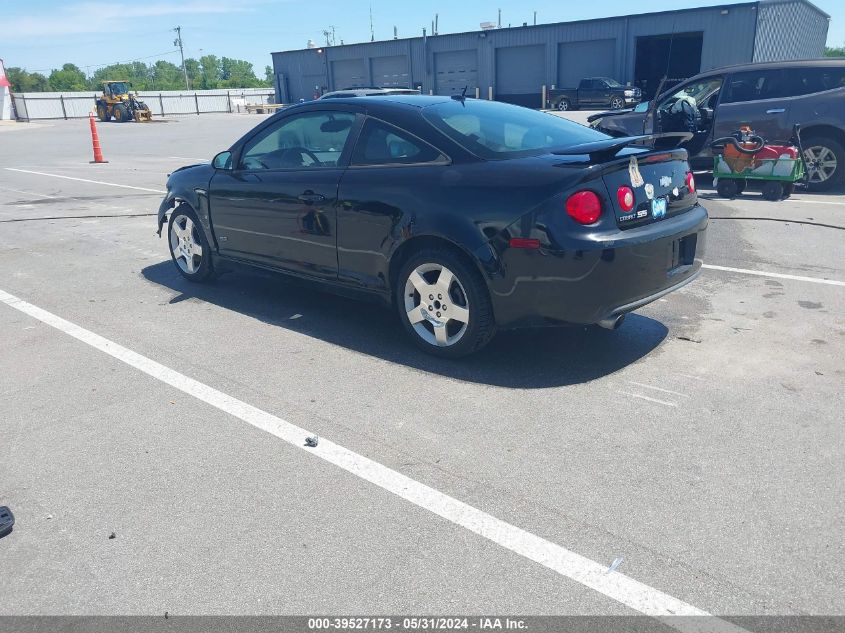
312, 441
615, 564
112, 536
690, 339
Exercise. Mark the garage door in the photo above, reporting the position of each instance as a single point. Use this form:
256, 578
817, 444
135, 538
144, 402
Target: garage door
455, 70
391, 71
576, 60
520, 74
349, 73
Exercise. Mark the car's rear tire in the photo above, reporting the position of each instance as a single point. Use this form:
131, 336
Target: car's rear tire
443, 303
825, 159
564, 104
189, 248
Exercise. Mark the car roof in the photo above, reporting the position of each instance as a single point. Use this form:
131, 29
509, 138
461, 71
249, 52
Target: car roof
800, 63
415, 100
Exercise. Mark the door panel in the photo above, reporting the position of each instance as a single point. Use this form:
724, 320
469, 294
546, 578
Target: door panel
768, 118
278, 206
280, 218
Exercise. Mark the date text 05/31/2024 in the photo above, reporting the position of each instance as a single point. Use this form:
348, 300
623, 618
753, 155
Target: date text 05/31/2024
416, 623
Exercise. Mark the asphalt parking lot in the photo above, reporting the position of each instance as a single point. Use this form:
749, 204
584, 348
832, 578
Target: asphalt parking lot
702, 443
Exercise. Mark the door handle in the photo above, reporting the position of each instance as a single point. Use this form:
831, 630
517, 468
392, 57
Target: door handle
776, 111
309, 197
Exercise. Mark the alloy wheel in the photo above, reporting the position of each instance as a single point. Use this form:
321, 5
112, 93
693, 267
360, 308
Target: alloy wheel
821, 163
563, 105
436, 305
185, 244
616, 103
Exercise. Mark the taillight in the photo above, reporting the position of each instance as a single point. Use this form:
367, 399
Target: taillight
584, 207
690, 182
625, 196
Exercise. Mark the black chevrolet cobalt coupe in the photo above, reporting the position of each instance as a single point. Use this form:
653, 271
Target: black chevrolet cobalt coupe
467, 216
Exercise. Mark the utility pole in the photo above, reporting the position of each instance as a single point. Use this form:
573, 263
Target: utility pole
372, 33
178, 42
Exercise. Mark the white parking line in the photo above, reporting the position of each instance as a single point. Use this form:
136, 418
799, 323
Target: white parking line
619, 587
202, 160
649, 398
95, 182
645, 386
760, 273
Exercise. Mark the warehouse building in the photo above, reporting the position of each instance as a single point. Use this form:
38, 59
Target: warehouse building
513, 64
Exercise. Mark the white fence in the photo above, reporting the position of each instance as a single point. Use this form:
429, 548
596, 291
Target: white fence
30, 106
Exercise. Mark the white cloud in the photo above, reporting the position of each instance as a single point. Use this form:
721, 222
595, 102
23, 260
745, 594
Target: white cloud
102, 17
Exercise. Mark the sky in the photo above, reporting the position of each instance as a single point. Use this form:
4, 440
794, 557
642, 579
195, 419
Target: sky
43, 34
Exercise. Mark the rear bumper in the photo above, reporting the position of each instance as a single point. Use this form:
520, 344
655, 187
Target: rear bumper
599, 278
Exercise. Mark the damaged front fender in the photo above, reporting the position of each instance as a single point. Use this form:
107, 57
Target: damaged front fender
168, 203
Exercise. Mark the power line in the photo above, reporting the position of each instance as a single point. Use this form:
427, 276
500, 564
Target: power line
128, 61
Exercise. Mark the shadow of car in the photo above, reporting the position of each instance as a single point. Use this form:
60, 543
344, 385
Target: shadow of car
518, 359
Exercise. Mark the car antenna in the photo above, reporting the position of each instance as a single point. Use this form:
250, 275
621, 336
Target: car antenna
652, 108
462, 96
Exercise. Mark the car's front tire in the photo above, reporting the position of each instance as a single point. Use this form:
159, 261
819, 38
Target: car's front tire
617, 103
444, 304
189, 249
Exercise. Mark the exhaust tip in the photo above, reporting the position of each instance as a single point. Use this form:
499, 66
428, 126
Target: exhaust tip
612, 322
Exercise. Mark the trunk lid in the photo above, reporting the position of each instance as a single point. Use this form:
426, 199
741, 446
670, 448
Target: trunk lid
658, 180
657, 177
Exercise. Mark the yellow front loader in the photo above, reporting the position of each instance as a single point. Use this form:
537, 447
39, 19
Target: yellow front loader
118, 103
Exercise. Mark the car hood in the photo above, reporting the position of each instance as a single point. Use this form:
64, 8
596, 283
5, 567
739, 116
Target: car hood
601, 115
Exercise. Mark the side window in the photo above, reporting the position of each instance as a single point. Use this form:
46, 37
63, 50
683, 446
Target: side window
305, 141
383, 144
755, 85
805, 81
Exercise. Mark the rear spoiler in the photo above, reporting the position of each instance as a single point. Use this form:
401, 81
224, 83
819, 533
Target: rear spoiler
600, 151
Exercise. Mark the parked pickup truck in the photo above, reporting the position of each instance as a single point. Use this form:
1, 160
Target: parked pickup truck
597, 92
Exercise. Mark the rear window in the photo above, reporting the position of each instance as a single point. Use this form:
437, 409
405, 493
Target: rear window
804, 81
496, 130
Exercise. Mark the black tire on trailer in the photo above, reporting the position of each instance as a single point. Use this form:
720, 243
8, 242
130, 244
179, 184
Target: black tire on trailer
772, 190
740, 186
727, 188
788, 188
443, 302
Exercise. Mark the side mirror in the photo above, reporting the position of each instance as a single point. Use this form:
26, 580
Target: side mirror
223, 160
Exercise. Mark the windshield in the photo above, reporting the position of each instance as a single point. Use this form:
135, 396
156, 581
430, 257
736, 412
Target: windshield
495, 130
612, 82
119, 88
696, 94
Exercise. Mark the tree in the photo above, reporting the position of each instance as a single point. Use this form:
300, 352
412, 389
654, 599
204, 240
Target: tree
834, 52
194, 70
23, 81
237, 73
167, 76
269, 75
210, 66
70, 78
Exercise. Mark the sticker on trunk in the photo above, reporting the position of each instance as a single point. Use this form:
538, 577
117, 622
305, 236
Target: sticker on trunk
634, 173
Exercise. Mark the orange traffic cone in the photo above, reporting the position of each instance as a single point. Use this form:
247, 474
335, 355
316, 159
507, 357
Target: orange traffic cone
95, 140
